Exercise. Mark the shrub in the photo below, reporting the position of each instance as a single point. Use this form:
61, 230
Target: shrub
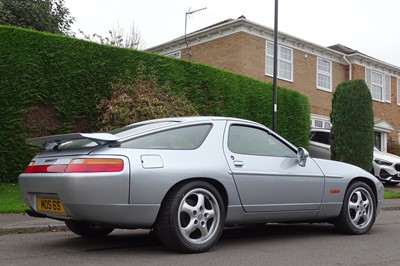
352, 124
141, 100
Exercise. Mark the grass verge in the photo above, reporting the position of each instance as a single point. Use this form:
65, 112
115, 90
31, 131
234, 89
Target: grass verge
391, 194
10, 199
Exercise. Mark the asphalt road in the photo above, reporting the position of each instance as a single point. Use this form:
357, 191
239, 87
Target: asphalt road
267, 245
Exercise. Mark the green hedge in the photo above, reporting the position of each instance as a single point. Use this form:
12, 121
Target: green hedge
353, 124
69, 76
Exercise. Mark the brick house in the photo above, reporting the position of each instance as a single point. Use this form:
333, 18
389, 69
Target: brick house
245, 47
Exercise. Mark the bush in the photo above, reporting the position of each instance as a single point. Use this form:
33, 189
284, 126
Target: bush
141, 100
352, 124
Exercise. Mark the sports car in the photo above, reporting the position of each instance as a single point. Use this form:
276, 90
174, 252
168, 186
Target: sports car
188, 177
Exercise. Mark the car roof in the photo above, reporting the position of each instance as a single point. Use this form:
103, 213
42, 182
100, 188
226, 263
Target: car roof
196, 119
317, 129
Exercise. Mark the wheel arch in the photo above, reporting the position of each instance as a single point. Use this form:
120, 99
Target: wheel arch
215, 183
369, 182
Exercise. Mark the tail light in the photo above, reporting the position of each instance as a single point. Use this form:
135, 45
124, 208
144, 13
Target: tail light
94, 165
45, 168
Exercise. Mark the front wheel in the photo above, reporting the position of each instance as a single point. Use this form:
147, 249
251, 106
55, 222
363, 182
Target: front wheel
88, 230
358, 211
191, 218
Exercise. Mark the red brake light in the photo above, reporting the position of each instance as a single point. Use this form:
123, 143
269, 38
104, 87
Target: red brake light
94, 165
45, 168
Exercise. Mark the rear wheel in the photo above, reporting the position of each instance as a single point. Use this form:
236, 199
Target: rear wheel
88, 230
359, 210
191, 218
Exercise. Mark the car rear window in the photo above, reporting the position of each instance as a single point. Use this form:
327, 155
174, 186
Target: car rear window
119, 132
183, 138
135, 128
321, 137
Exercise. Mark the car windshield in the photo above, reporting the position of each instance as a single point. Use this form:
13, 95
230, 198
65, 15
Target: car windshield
119, 132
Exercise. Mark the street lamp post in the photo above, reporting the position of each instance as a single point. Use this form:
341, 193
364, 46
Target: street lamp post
275, 93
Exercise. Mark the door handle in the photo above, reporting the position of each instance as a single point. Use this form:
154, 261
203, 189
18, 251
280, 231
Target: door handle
238, 163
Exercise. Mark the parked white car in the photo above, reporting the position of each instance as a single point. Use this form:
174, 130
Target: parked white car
385, 166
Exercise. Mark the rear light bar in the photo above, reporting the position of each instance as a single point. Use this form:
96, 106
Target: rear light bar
94, 165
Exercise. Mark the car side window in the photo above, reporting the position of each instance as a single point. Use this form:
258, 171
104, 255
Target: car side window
254, 141
321, 137
183, 138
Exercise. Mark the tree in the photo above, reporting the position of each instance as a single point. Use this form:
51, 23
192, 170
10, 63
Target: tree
132, 39
352, 138
42, 15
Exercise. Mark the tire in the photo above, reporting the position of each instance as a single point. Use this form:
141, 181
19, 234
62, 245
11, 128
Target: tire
359, 210
88, 230
191, 218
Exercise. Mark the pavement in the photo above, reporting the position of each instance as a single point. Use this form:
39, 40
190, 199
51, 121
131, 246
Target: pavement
22, 223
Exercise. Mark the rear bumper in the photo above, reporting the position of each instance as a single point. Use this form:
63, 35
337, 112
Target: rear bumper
117, 216
98, 199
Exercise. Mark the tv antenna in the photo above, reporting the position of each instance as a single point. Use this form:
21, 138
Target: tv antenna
187, 14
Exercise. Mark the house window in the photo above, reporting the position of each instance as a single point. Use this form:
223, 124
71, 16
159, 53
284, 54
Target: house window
321, 124
379, 85
324, 74
327, 125
285, 61
318, 121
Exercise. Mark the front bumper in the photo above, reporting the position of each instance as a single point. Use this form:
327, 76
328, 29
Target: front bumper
386, 173
388, 177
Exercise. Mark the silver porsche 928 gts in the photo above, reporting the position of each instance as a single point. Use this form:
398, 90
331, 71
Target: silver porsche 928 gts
188, 177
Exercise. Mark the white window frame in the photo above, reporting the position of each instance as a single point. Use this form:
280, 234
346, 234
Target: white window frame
398, 92
383, 141
385, 86
280, 61
176, 54
319, 121
321, 72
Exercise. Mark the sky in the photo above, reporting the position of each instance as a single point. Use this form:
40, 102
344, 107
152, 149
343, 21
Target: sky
369, 26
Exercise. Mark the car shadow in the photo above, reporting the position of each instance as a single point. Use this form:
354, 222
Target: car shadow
145, 241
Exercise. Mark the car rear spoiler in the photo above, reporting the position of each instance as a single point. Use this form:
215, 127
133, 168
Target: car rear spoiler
52, 142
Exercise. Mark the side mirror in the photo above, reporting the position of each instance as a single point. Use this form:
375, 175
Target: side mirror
302, 155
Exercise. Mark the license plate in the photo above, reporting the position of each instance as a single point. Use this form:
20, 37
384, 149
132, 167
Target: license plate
49, 205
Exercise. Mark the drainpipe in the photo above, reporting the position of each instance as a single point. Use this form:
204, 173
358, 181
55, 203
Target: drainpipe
350, 72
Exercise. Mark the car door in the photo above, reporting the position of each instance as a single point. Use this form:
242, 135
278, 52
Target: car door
267, 174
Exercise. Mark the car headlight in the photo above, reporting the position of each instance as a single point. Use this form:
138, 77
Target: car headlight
382, 162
